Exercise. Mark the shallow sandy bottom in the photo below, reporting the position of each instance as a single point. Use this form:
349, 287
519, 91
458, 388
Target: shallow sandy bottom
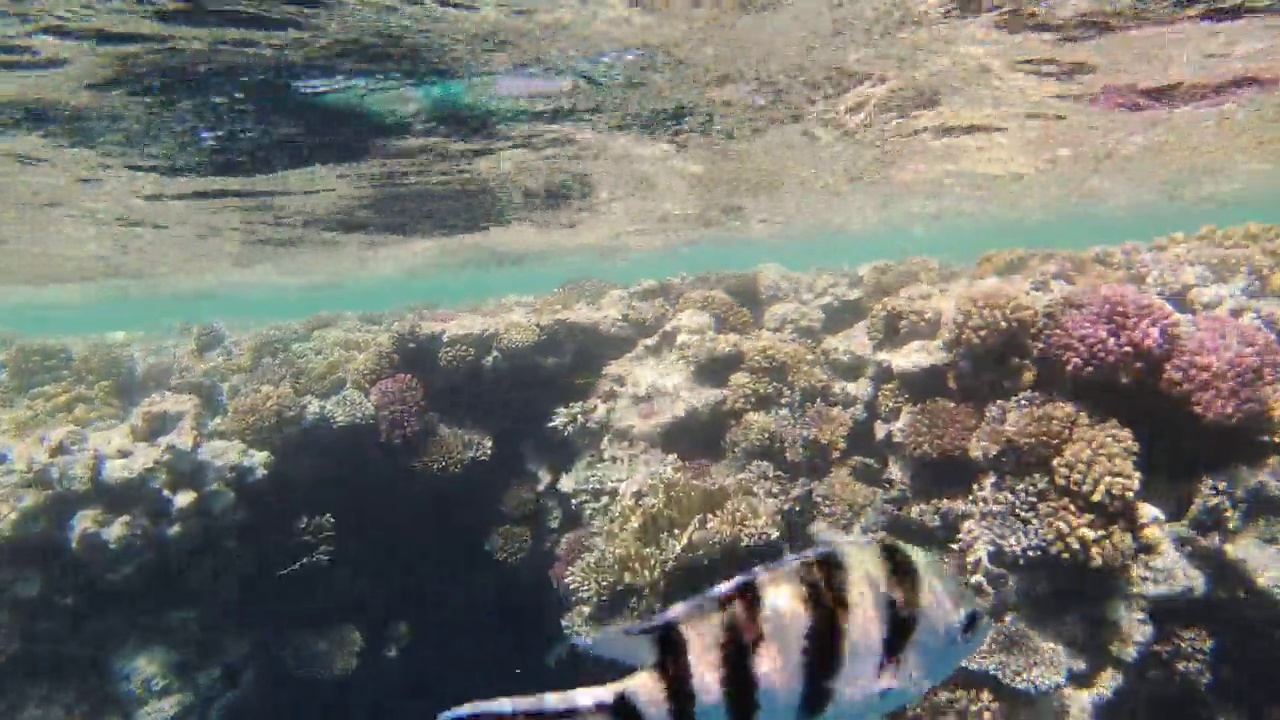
1001, 141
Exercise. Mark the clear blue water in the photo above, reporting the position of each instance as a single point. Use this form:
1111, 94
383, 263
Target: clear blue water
242, 305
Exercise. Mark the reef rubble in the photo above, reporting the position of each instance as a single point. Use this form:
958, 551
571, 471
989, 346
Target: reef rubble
1089, 436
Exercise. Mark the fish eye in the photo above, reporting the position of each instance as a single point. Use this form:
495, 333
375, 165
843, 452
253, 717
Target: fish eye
969, 623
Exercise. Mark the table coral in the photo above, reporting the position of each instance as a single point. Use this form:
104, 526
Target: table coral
1226, 369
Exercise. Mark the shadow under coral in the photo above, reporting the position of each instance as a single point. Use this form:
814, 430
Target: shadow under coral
409, 547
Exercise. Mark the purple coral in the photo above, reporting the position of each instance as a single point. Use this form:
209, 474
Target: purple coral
1226, 369
398, 402
1111, 333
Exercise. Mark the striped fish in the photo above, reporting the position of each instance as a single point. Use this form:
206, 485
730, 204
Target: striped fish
850, 629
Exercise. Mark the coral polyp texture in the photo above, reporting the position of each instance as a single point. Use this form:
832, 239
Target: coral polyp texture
1090, 437
1111, 334
399, 404
1227, 369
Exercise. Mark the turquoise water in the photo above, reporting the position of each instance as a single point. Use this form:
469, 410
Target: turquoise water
241, 305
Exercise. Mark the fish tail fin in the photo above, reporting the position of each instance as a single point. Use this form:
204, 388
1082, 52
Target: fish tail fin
586, 703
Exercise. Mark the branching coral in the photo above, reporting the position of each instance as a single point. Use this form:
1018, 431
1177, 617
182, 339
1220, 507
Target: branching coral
649, 520
456, 354
517, 336
51, 384
954, 701
1024, 434
31, 365
938, 429
1226, 369
1016, 519
261, 417
884, 279
729, 314
776, 370
1005, 525
1079, 536
813, 436
1111, 333
1024, 659
846, 503
819, 432
754, 436
399, 404
900, 319
1098, 466
993, 321
451, 450
991, 335
1186, 655
510, 543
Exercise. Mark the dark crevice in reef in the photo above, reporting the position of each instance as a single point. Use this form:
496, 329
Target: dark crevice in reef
697, 436
1176, 447
1244, 621
409, 546
402, 552
943, 478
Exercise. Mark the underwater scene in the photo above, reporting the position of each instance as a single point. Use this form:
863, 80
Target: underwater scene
639, 359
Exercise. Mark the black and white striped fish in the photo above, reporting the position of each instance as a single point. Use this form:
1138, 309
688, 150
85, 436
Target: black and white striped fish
850, 629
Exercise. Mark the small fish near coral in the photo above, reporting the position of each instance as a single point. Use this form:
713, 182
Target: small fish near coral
852, 628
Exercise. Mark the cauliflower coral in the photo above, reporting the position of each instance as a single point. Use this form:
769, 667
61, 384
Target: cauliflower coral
1111, 333
1225, 369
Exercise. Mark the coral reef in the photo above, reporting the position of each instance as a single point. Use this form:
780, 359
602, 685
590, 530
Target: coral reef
1227, 369
1089, 436
399, 405
1112, 334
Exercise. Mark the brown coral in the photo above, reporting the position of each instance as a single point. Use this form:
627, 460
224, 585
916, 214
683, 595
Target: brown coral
994, 321
1098, 466
1076, 535
451, 450
1024, 434
991, 335
729, 314
262, 416
938, 429
904, 318
775, 370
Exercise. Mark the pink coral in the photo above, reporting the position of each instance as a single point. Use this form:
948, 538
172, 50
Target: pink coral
1226, 369
398, 402
1111, 333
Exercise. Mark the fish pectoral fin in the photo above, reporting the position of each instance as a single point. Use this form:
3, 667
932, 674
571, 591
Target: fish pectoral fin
619, 644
